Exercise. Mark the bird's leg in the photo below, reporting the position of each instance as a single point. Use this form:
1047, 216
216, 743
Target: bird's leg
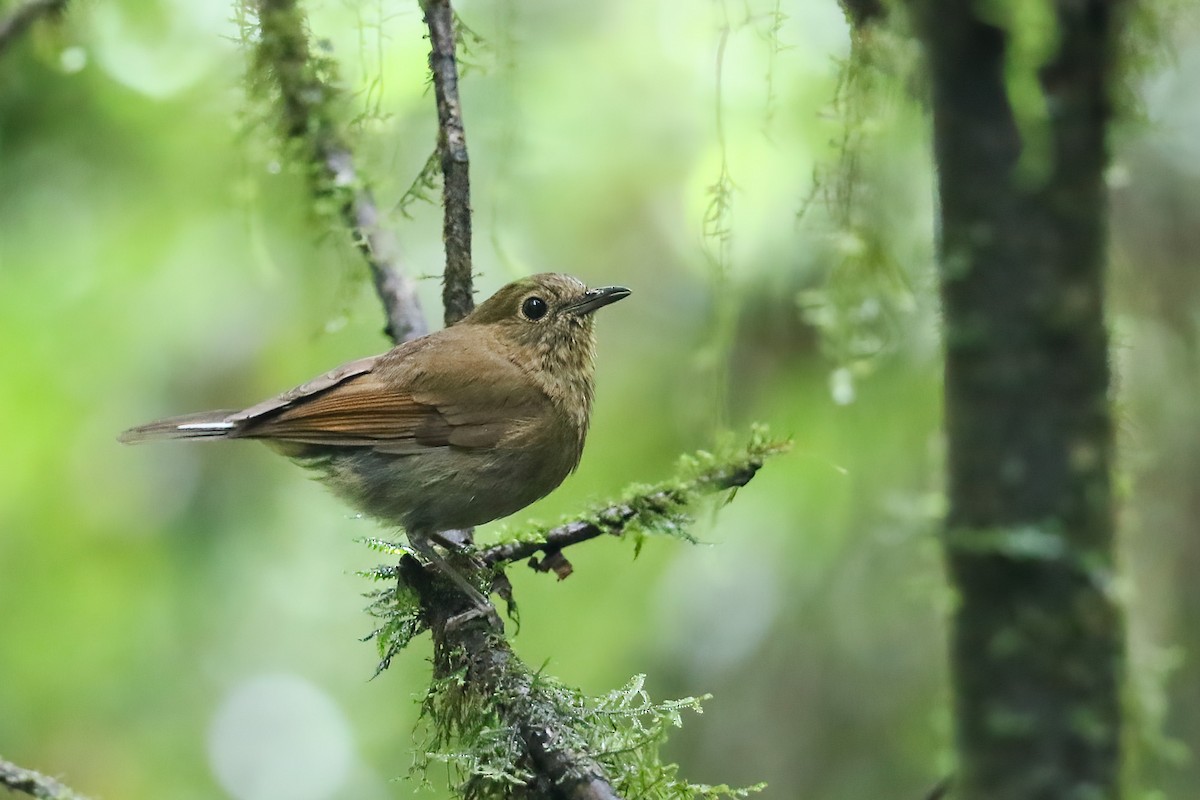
458, 540
476, 612
482, 605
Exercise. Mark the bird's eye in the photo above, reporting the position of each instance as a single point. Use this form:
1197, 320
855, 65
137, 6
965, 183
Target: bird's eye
534, 308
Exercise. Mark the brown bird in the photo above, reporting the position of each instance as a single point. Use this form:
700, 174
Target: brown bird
452, 430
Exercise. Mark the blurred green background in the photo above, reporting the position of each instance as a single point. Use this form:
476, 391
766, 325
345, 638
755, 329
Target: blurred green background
183, 621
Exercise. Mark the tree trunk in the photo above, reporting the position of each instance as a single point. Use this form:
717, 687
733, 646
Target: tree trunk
1037, 643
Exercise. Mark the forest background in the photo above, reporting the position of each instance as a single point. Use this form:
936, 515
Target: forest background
174, 615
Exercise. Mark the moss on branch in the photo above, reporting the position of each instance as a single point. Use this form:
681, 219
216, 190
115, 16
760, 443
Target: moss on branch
304, 89
34, 784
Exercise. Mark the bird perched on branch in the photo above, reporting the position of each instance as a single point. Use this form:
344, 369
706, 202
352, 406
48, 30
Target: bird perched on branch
451, 430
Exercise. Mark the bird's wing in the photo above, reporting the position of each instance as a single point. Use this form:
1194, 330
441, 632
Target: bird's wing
405, 401
304, 391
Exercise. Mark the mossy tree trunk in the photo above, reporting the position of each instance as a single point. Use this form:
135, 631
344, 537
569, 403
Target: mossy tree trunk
1021, 101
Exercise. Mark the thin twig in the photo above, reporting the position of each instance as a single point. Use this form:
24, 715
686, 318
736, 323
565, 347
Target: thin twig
491, 668
477, 648
19, 779
24, 15
614, 519
305, 100
452, 147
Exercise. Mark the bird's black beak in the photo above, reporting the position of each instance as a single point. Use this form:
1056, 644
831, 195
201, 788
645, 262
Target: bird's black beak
597, 298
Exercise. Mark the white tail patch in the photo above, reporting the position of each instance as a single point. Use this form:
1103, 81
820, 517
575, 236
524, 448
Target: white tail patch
204, 426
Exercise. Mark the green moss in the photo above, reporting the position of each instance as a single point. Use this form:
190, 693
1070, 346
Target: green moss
295, 84
477, 718
464, 731
1045, 542
623, 731
396, 606
664, 508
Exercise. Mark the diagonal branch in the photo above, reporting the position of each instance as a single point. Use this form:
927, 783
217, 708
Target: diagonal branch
452, 147
305, 98
35, 784
615, 520
19, 19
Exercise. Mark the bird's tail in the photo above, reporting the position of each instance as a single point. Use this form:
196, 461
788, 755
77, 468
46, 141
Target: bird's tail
203, 425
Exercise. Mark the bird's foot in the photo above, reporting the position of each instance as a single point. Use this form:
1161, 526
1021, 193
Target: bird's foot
482, 606
476, 612
455, 541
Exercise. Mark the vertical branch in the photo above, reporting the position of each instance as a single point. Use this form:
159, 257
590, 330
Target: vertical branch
452, 147
462, 644
474, 649
307, 120
1037, 640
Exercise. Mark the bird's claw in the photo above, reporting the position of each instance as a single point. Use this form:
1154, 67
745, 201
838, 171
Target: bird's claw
476, 612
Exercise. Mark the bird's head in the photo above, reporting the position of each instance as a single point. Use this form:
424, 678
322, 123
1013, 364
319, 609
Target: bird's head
547, 313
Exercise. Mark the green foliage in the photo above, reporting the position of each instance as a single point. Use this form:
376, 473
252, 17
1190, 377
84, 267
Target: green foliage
1147, 705
396, 605
624, 730
468, 44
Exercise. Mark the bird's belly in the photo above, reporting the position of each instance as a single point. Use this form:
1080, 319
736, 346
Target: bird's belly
444, 488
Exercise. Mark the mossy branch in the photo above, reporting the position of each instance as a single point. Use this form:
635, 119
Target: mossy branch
35, 784
507, 732
306, 93
660, 508
14, 24
663, 507
483, 694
